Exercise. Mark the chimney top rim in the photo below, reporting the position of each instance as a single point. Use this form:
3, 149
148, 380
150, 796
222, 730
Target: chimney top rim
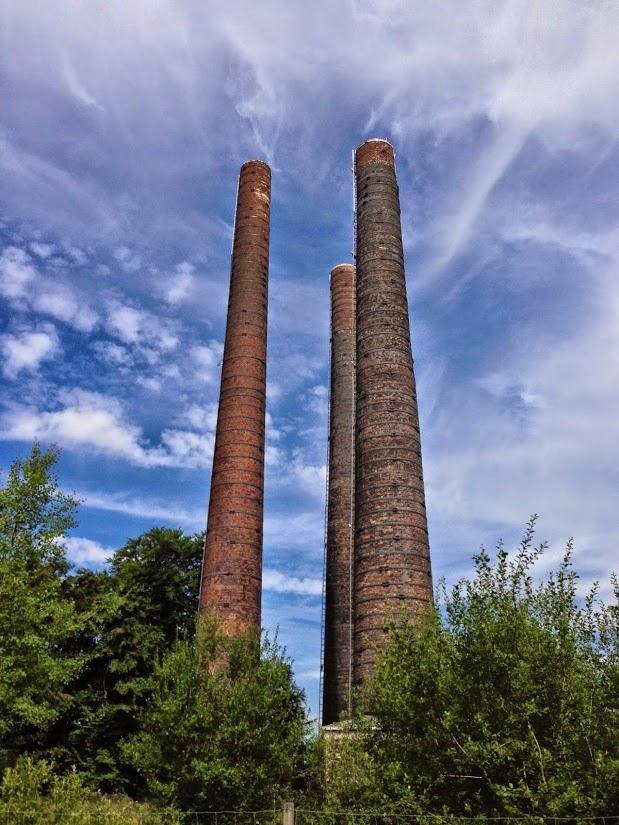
345, 265
374, 150
375, 140
256, 161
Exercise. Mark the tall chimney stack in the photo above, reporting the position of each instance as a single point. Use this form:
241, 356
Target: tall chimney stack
340, 499
392, 574
231, 585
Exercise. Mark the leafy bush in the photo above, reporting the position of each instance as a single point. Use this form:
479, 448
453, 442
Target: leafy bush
504, 700
32, 794
226, 728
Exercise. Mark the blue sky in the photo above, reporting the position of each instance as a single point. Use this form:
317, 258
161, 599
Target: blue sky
122, 129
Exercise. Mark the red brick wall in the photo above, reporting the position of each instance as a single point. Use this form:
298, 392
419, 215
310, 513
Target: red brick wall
337, 648
232, 565
392, 556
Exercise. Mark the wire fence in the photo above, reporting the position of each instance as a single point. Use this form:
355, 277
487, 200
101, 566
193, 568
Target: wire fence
61, 816
272, 817
51, 816
286, 816
305, 817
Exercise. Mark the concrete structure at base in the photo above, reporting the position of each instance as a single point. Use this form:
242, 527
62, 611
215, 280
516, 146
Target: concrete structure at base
337, 679
392, 572
231, 584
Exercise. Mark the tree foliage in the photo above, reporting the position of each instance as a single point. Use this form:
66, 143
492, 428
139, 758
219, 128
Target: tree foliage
504, 700
35, 620
226, 728
78, 648
35, 513
131, 614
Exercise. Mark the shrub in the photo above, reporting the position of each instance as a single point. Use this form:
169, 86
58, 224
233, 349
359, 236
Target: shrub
32, 794
226, 729
503, 700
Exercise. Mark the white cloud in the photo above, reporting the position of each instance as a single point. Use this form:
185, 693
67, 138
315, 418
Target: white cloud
43, 250
272, 432
318, 400
26, 350
16, 273
273, 456
112, 353
164, 338
170, 371
189, 449
454, 228
207, 358
274, 392
57, 303
140, 328
26, 288
77, 255
85, 419
44, 190
281, 583
298, 533
62, 304
200, 418
311, 478
90, 420
180, 284
149, 383
311, 674
86, 552
129, 261
125, 322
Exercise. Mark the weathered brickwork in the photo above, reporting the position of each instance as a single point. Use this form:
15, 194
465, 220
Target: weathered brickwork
340, 508
232, 565
391, 551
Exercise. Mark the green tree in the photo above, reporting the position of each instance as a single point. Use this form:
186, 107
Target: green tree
226, 728
504, 700
35, 621
130, 615
34, 512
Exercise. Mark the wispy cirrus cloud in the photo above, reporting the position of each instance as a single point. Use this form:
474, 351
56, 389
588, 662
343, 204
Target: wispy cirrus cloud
144, 507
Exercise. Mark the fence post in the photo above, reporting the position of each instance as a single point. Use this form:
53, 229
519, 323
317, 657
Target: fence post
288, 813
